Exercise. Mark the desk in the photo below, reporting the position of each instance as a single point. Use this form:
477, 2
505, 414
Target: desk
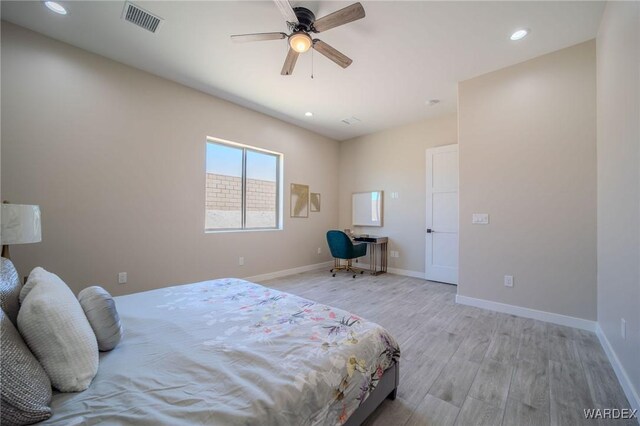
376, 245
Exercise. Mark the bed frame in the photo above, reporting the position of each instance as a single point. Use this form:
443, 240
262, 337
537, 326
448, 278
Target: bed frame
387, 388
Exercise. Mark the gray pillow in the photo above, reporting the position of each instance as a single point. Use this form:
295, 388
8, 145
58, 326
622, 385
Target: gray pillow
56, 329
26, 389
100, 309
9, 289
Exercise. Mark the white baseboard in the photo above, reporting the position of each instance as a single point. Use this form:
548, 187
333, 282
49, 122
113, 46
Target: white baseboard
629, 390
405, 272
580, 323
329, 264
286, 272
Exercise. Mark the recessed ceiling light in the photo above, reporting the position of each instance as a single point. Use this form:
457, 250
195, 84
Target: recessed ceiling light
56, 7
308, 114
519, 35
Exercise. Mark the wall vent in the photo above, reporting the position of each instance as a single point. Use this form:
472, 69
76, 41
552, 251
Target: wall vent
140, 17
351, 120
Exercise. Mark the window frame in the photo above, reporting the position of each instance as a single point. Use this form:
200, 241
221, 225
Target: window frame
279, 186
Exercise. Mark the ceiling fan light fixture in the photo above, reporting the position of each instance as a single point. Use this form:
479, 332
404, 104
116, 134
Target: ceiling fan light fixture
300, 42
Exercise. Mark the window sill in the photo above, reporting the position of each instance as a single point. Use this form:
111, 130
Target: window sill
228, 231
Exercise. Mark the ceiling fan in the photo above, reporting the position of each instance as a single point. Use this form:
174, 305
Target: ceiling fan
302, 22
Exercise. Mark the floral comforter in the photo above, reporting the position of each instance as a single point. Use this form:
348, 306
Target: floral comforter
231, 352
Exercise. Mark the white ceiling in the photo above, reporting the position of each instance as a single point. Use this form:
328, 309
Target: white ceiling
404, 53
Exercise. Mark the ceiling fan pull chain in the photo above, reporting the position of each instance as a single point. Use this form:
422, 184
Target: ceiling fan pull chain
311, 64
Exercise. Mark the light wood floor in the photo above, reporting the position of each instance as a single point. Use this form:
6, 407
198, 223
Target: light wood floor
467, 366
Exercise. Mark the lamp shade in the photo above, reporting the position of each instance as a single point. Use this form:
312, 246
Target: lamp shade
20, 224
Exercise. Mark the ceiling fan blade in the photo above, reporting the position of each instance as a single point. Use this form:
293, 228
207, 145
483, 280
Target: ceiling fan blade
340, 17
286, 10
243, 38
290, 62
331, 53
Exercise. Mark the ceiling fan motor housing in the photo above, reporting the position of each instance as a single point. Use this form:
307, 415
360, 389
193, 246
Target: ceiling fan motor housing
306, 18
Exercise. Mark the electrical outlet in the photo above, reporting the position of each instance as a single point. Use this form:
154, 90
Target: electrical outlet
623, 329
397, 253
508, 280
319, 250
241, 261
122, 278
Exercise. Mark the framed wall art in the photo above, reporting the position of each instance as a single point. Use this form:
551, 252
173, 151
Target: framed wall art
299, 200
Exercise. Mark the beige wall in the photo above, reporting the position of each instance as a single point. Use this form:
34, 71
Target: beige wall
115, 157
395, 161
619, 182
527, 141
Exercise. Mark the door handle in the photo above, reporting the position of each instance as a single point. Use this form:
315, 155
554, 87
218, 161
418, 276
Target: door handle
430, 231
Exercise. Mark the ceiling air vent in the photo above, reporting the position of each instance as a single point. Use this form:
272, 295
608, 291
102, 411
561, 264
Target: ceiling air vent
141, 17
351, 120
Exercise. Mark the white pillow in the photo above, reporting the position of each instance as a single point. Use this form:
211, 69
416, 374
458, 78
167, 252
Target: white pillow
56, 329
36, 276
100, 309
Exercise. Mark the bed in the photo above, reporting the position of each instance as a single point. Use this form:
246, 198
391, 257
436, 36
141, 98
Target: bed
232, 352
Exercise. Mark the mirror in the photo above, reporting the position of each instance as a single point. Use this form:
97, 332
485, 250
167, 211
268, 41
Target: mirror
366, 208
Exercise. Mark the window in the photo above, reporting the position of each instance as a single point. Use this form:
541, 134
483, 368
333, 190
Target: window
243, 187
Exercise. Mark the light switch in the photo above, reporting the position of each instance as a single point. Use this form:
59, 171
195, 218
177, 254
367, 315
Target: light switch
480, 219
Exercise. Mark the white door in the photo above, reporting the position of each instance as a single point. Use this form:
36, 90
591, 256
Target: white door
442, 215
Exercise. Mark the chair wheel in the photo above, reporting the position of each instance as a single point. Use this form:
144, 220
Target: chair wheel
354, 275
330, 270
361, 272
334, 275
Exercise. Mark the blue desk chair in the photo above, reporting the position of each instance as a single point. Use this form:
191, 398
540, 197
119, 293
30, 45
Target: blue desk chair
342, 248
